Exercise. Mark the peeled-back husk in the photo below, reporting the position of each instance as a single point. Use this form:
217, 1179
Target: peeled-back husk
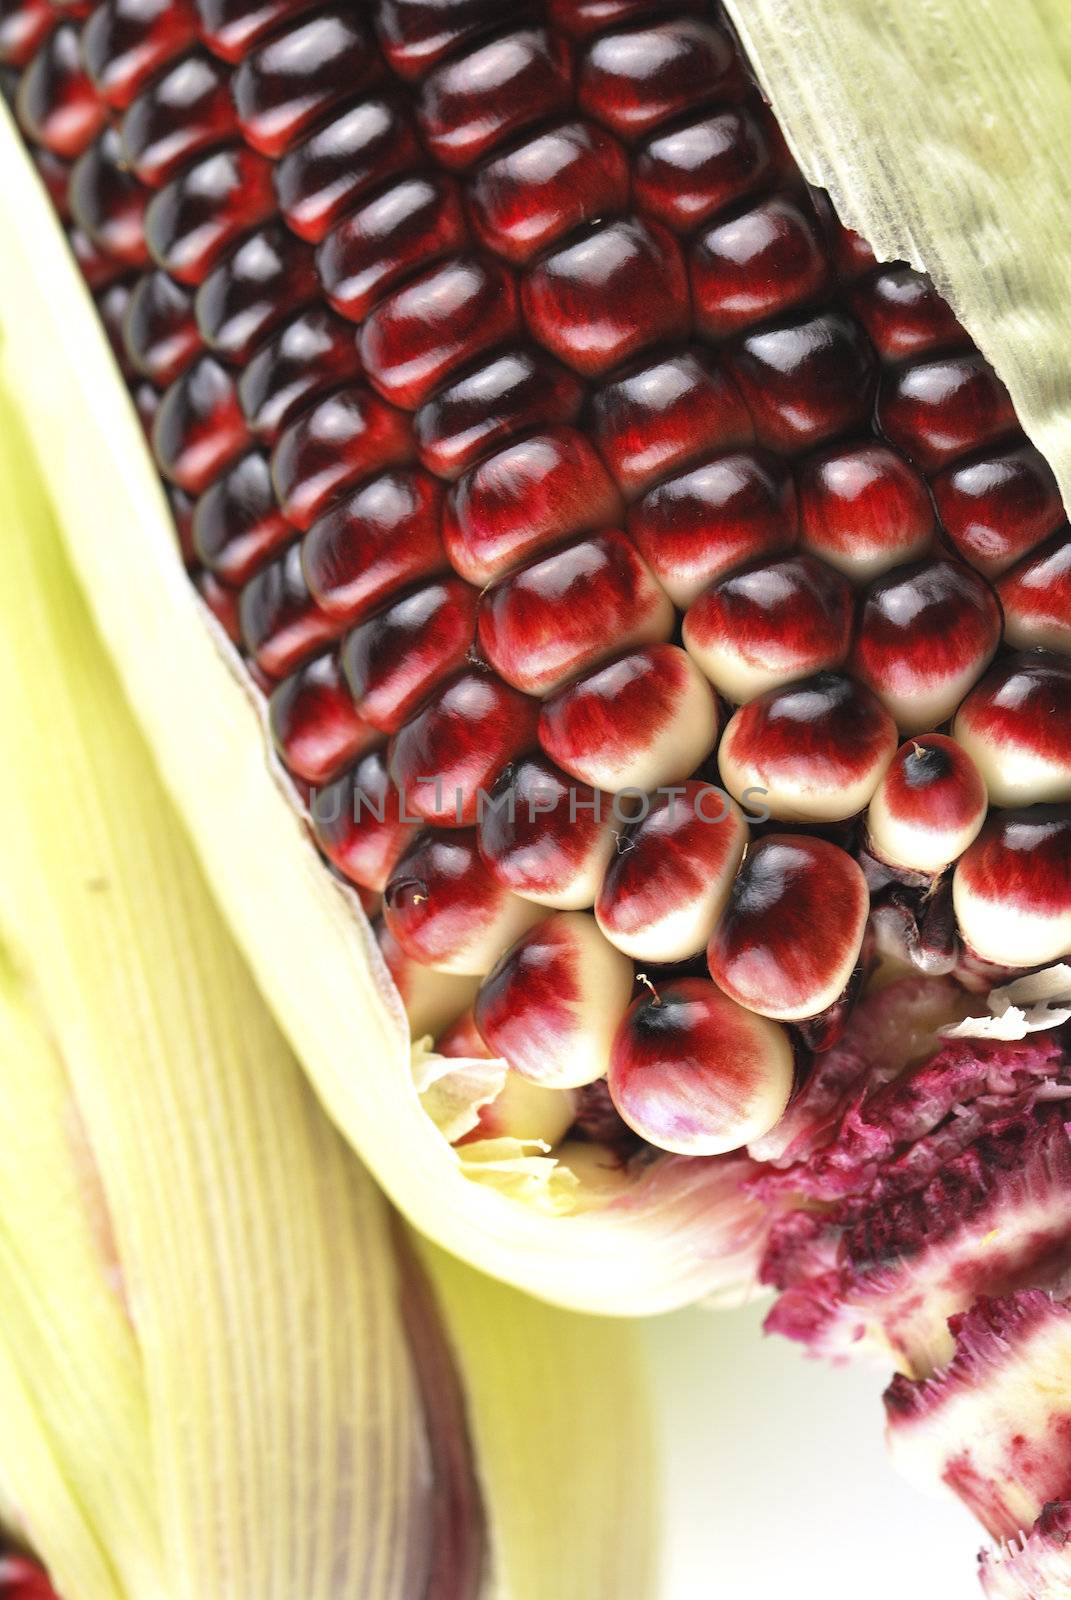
937, 145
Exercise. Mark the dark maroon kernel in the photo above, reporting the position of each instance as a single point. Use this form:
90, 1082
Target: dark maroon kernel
269, 276
96, 266
280, 621
287, 83
199, 427
357, 150
186, 111
312, 352
530, 196
514, 392
360, 823
607, 296
727, 510
806, 381
24, 27
1036, 596
222, 602
55, 174
473, 102
405, 227
637, 78
687, 173
380, 537
160, 334
146, 398
458, 744
996, 509
126, 42
758, 264
937, 410
193, 219
663, 415
112, 308
582, 18
862, 507
109, 204
541, 827
416, 34
904, 314
237, 523
395, 658
348, 435
531, 494
230, 28
56, 104
314, 723
424, 331
852, 256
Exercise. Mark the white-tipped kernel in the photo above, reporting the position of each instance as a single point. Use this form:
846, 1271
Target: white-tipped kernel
1016, 724
551, 1005
1012, 888
928, 807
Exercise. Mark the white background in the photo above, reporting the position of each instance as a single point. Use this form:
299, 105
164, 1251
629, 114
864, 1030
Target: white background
778, 1486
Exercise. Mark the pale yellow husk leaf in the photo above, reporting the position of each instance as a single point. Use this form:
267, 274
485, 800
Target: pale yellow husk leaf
942, 130
306, 939
204, 1378
278, 1431
563, 1435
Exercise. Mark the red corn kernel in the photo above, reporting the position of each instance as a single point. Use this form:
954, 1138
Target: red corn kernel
807, 380
566, 612
531, 494
996, 509
253, 290
810, 751
359, 822
231, 28
647, 719
664, 414
634, 79
768, 623
381, 536
925, 633
1016, 724
193, 219
457, 745
126, 42
610, 294
513, 392
936, 410
415, 34
199, 427
1036, 597
237, 523
697, 526
904, 314
758, 264
282, 626
314, 723
446, 911
160, 334
314, 351
287, 83
395, 658
109, 204
685, 174
222, 602
1012, 888
531, 195
402, 228
181, 114
474, 101
928, 807
24, 27
863, 509
56, 103
348, 435
424, 331
546, 836
97, 268
358, 150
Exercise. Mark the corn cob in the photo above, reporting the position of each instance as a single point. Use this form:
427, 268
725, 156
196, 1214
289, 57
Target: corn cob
536, 431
